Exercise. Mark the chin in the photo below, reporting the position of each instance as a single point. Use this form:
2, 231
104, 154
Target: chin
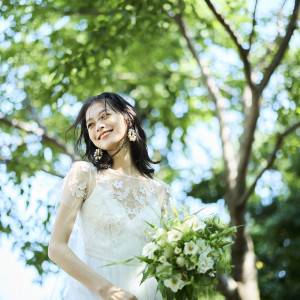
107, 146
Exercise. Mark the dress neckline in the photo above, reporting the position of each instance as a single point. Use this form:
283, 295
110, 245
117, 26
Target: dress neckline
122, 174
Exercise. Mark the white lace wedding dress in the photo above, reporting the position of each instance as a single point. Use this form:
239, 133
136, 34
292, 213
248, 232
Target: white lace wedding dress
110, 227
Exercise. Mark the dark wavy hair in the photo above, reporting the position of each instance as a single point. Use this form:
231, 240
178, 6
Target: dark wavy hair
138, 147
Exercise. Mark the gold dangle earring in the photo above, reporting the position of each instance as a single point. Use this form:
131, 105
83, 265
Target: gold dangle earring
98, 154
131, 134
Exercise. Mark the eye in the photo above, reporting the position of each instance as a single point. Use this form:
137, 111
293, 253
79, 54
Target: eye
89, 125
104, 116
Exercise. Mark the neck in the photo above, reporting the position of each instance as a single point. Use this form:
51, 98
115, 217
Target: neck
123, 161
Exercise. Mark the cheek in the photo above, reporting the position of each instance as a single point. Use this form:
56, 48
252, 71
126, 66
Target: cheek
91, 135
117, 125
122, 125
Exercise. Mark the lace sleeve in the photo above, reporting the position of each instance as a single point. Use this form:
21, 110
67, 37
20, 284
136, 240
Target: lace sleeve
77, 185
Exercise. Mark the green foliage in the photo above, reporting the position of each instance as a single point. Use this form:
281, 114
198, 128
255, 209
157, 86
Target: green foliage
54, 54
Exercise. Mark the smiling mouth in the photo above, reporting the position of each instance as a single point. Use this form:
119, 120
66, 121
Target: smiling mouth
105, 134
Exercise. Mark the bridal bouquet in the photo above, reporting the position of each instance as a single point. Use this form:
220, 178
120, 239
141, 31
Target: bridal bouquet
187, 255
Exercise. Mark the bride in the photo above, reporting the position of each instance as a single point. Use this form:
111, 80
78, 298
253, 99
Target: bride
105, 202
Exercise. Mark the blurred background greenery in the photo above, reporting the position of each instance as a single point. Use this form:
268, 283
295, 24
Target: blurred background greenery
216, 85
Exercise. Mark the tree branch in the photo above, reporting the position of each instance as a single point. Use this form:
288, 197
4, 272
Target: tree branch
282, 48
251, 117
272, 46
53, 173
253, 25
39, 132
220, 102
280, 24
280, 138
243, 52
261, 63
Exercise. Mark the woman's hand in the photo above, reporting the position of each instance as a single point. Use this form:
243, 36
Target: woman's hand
115, 293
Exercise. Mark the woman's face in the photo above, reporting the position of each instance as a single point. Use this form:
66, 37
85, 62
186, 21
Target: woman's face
98, 121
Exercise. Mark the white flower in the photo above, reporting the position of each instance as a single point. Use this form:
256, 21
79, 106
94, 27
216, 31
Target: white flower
201, 244
177, 250
208, 249
180, 261
195, 223
174, 235
205, 263
203, 247
149, 249
162, 241
175, 283
212, 274
190, 248
162, 259
158, 233
118, 183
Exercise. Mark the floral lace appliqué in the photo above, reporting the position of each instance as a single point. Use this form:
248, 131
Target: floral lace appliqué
142, 189
118, 184
85, 167
78, 189
139, 198
122, 195
152, 189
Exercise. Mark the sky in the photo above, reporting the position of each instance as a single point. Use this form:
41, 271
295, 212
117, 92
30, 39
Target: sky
16, 280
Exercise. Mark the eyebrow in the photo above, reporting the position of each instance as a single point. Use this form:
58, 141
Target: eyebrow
105, 109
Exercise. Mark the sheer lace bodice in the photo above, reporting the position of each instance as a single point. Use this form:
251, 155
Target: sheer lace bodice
114, 208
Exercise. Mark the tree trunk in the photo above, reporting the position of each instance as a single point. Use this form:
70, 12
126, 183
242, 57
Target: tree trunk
243, 259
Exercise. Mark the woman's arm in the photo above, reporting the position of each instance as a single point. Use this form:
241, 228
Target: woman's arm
60, 253
77, 186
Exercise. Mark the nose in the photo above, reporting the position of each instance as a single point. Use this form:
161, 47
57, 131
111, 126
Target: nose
99, 125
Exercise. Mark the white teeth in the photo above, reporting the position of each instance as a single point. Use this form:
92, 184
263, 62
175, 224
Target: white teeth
105, 133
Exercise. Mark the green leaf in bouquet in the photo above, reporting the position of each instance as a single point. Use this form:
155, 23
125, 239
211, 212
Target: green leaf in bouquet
199, 210
226, 243
174, 211
161, 287
170, 294
145, 259
163, 270
151, 225
118, 262
161, 220
190, 292
218, 273
150, 272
